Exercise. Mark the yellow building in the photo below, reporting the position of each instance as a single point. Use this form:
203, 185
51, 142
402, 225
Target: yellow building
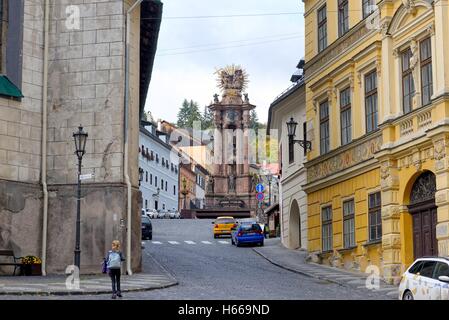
377, 106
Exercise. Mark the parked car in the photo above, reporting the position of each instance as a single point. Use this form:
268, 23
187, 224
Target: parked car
426, 279
166, 214
151, 213
223, 226
147, 228
172, 214
161, 215
247, 233
177, 215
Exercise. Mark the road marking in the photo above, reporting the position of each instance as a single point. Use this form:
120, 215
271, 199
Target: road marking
189, 242
156, 242
206, 242
224, 242
173, 242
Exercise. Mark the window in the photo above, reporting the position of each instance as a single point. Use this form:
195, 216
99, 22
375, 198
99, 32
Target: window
427, 269
155, 181
343, 17
426, 71
416, 267
156, 205
162, 184
374, 217
166, 186
163, 206
371, 101
324, 127
291, 150
369, 7
345, 116
146, 204
322, 29
408, 86
151, 178
174, 190
146, 176
441, 269
326, 231
348, 224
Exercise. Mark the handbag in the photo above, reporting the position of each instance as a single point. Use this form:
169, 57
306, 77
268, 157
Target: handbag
104, 265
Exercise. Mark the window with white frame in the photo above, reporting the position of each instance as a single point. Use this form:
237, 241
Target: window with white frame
345, 116
375, 217
324, 128
326, 229
343, 17
348, 224
426, 71
408, 85
371, 101
368, 7
322, 28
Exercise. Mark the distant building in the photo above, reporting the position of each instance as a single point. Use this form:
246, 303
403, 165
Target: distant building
159, 167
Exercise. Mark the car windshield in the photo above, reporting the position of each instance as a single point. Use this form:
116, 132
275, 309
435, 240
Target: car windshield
146, 220
250, 228
224, 221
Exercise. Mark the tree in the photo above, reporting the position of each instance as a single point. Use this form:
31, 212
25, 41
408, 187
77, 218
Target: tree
254, 120
208, 119
188, 114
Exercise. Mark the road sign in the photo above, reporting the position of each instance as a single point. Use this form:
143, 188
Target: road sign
260, 188
86, 176
260, 196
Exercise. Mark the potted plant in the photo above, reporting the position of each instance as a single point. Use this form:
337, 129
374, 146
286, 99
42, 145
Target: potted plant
31, 266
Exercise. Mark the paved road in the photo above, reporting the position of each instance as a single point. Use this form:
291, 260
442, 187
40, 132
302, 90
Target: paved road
209, 268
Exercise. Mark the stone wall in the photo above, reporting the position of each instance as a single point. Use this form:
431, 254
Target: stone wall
20, 219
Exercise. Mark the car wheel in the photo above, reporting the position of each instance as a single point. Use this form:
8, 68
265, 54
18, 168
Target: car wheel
408, 296
261, 244
237, 244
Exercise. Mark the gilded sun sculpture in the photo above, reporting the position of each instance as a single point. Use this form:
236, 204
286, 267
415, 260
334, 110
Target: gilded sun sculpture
232, 77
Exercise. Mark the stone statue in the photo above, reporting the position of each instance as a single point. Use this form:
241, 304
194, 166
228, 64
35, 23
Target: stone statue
232, 183
415, 54
254, 182
216, 98
246, 98
210, 184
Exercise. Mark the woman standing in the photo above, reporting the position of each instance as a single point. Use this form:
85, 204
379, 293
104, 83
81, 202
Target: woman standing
114, 261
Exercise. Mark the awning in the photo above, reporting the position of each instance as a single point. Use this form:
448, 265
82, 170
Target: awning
9, 89
270, 210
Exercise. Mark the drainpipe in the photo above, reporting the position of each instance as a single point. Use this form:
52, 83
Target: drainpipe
126, 160
44, 139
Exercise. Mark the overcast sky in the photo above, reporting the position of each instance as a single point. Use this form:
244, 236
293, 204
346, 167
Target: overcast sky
267, 46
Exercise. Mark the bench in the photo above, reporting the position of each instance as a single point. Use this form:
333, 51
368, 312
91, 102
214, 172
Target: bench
17, 261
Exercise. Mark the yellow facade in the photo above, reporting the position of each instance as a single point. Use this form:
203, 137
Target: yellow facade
409, 140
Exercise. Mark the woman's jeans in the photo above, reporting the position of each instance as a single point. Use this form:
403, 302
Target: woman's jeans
115, 277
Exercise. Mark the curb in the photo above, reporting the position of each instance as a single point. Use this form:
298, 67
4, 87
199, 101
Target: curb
310, 275
81, 293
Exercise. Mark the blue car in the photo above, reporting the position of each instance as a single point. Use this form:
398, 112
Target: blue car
247, 233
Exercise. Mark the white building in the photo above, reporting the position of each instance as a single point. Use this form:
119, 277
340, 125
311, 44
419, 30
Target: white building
159, 170
293, 200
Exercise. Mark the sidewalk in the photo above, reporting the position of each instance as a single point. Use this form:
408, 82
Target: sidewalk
56, 285
294, 260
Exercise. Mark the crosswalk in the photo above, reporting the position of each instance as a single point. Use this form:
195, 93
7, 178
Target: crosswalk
190, 242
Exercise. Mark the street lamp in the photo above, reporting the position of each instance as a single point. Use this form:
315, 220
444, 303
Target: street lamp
140, 176
291, 131
80, 138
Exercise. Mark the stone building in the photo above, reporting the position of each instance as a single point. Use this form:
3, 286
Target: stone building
376, 89
72, 65
293, 199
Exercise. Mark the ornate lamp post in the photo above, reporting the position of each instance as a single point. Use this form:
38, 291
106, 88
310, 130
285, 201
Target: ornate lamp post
80, 138
184, 190
291, 131
140, 176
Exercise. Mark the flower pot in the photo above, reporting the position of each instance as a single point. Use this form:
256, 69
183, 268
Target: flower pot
32, 269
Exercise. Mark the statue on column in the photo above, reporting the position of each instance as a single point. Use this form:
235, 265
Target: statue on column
210, 184
414, 62
231, 182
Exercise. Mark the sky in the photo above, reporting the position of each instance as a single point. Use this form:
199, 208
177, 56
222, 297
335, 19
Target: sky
268, 42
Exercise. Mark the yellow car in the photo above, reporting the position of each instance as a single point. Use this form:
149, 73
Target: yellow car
223, 226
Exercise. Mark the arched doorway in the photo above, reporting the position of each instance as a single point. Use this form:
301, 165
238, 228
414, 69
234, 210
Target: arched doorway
294, 226
424, 214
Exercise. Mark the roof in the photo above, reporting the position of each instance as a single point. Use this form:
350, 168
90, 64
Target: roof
290, 90
151, 15
155, 138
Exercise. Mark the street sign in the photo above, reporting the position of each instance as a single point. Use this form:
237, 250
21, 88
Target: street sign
260, 188
86, 176
260, 196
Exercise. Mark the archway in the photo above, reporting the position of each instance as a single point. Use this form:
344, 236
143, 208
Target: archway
424, 215
294, 226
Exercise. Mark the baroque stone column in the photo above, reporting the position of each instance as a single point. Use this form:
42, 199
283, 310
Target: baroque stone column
245, 142
441, 149
391, 212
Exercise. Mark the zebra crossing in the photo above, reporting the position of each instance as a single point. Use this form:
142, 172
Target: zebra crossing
190, 242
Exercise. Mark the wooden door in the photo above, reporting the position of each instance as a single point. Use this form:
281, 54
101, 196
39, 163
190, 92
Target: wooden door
424, 233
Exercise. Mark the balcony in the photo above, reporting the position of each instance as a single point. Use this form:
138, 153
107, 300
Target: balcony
414, 124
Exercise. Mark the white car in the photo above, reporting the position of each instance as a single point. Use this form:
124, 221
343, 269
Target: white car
151, 213
426, 279
161, 215
172, 215
177, 215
